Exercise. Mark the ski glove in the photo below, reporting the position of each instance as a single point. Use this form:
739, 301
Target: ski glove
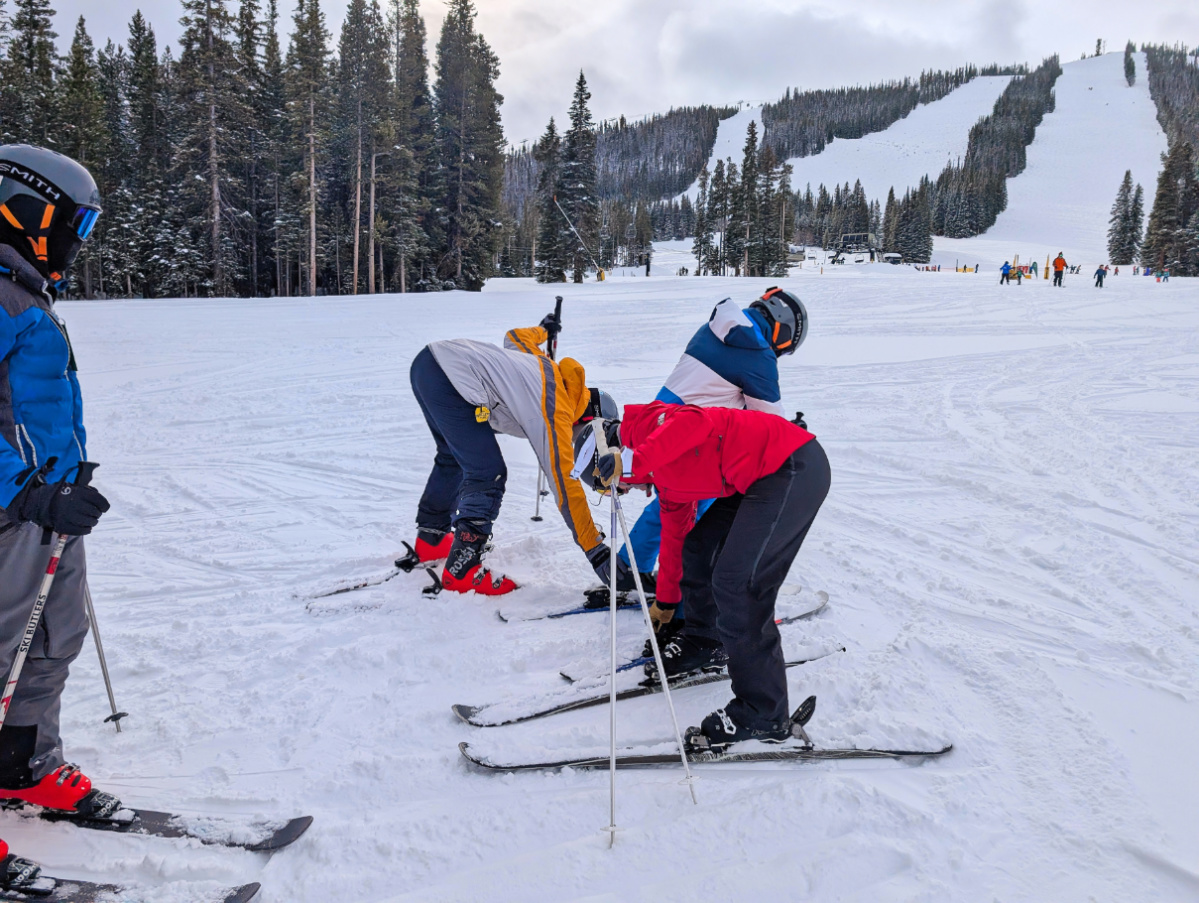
61, 507
660, 615
601, 561
799, 421
612, 434
552, 326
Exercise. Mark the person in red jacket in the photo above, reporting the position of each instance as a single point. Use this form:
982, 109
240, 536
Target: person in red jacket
769, 478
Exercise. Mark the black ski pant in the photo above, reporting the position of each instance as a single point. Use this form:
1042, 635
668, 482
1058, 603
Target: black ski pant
734, 561
469, 475
1057, 277
1004, 278
1098, 282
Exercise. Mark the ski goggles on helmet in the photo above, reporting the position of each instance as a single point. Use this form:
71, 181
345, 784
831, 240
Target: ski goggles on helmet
787, 318
84, 221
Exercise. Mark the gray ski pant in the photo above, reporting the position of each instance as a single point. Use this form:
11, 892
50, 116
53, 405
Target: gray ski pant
58, 640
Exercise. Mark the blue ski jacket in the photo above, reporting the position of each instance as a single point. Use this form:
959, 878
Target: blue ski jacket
727, 364
41, 413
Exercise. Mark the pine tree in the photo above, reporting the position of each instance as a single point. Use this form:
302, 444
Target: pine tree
274, 125
211, 102
551, 244
702, 246
1175, 201
1130, 65
1119, 241
576, 190
363, 114
1136, 223
470, 142
307, 83
416, 172
717, 217
29, 97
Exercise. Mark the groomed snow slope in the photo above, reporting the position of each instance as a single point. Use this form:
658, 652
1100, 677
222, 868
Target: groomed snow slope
898, 157
1062, 201
1009, 545
730, 141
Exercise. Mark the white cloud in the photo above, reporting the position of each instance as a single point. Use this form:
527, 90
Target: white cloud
644, 56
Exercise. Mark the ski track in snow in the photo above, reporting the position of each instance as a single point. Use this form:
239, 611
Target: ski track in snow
1009, 544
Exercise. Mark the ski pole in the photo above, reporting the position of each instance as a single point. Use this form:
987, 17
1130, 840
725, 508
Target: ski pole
82, 478
602, 446
116, 716
653, 639
552, 351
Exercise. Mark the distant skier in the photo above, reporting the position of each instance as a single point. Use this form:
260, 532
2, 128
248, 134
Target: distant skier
49, 205
468, 392
1099, 274
1005, 273
730, 362
769, 477
1059, 268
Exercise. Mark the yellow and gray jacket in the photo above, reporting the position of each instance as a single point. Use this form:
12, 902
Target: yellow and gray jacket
519, 391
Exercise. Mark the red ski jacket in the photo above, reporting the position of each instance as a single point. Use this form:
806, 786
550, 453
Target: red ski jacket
690, 454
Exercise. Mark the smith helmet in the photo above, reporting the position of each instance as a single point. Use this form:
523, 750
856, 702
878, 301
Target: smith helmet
600, 404
786, 320
49, 205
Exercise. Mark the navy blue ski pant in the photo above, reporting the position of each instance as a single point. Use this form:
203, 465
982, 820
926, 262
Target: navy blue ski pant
469, 475
734, 561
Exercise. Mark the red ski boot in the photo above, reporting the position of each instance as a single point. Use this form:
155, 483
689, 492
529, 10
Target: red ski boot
464, 571
431, 546
67, 789
16, 873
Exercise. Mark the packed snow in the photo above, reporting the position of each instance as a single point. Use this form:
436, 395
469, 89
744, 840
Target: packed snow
1009, 546
1100, 128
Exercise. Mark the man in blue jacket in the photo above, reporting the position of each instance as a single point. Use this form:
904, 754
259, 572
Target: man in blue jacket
48, 207
731, 362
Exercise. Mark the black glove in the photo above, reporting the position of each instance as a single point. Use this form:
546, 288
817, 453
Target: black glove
61, 507
552, 326
601, 561
799, 421
606, 467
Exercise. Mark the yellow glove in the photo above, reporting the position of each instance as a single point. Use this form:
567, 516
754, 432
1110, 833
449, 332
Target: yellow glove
660, 615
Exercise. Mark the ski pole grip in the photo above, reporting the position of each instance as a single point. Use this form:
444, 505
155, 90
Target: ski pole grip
83, 476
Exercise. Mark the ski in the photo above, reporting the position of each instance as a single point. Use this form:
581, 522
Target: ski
643, 660
65, 890
263, 837
622, 604
477, 715
405, 564
633, 760
700, 751
361, 584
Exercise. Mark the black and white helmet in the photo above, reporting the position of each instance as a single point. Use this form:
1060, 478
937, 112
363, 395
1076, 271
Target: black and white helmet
786, 319
49, 205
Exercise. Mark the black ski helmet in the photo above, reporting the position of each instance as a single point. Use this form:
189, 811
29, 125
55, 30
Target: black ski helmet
600, 404
586, 454
49, 205
786, 319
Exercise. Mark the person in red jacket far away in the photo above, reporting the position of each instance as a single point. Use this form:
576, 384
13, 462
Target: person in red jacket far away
769, 478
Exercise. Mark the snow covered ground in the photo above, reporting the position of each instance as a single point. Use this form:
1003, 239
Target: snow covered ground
1063, 200
918, 145
1010, 547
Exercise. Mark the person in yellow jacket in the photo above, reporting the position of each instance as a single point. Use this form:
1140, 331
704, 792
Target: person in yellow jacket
468, 392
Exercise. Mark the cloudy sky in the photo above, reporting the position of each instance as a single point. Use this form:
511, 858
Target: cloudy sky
644, 56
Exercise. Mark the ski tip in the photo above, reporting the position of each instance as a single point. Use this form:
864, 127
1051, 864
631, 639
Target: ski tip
284, 836
566, 677
822, 596
464, 712
243, 894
